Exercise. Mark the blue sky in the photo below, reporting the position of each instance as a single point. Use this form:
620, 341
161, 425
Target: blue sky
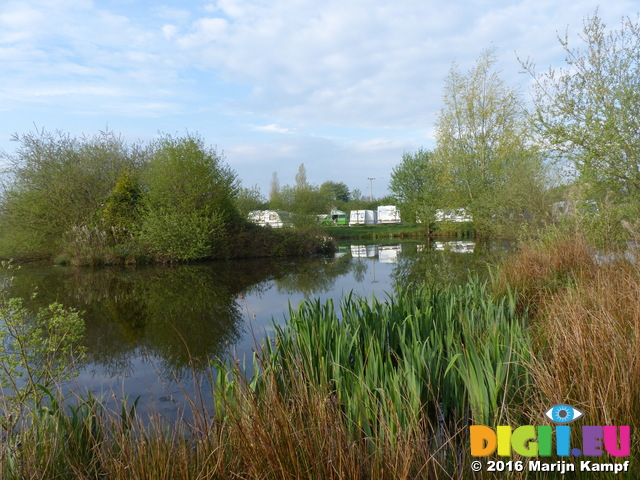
343, 86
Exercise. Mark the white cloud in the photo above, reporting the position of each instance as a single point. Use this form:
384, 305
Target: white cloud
272, 128
367, 63
371, 69
169, 31
377, 144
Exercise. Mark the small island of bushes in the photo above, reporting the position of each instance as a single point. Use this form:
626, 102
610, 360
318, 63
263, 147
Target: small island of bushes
98, 200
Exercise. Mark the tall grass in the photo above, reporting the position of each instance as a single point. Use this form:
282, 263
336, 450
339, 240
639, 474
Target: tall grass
444, 353
585, 328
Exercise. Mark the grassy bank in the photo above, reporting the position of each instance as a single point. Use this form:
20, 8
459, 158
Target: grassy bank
381, 389
440, 229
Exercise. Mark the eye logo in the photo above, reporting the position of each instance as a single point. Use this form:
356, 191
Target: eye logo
563, 413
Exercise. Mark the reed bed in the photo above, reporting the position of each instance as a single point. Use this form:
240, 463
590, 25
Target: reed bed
452, 352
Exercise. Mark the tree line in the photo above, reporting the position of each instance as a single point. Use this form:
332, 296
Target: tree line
495, 157
307, 200
97, 199
501, 161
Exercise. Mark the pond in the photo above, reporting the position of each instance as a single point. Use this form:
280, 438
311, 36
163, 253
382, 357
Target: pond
148, 328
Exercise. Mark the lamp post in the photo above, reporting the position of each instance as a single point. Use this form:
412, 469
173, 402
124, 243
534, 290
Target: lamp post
371, 179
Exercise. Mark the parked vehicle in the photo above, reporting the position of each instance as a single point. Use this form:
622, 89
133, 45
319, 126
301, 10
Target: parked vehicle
459, 215
338, 217
363, 217
388, 214
271, 218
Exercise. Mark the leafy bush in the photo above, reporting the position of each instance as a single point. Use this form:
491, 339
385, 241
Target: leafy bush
180, 236
55, 182
37, 350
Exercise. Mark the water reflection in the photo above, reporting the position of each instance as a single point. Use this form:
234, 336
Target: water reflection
151, 324
448, 261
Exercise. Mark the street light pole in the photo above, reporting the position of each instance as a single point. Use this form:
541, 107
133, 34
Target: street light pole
371, 179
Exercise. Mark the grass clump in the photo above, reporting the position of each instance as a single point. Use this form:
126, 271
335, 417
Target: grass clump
584, 324
545, 265
397, 379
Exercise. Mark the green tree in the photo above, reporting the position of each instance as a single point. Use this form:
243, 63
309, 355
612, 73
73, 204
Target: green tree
56, 182
190, 199
301, 177
274, 190
336, 192
123, 209
249, 199
186, 175
416, 183
588, 113
490, 165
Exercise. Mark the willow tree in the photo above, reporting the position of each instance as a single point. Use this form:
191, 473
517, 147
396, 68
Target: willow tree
483, 144
54, 183
588, 113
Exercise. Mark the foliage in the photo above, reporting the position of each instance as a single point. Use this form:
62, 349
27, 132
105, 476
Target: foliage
37, 350
584, 323
274, 188
184, 175
302, 200
337, 192
180, 235
301, 177
249, 199
84, 245
490, 166
588, 113
122, 210
189, 199
451, 350
56, 182
416, 182
254, 241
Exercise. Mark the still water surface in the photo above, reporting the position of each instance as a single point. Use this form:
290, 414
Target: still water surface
146, 327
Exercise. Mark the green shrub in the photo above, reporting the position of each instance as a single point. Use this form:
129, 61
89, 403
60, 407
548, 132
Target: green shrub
39, 349
180, 236
123, 209
55, 182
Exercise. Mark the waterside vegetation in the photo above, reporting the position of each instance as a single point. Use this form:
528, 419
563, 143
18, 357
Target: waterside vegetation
373, 388
97, 200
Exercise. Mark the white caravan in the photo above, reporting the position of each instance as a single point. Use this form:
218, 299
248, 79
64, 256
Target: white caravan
388, 214
363, 217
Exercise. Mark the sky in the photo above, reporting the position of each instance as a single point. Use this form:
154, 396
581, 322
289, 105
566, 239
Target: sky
343, 86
